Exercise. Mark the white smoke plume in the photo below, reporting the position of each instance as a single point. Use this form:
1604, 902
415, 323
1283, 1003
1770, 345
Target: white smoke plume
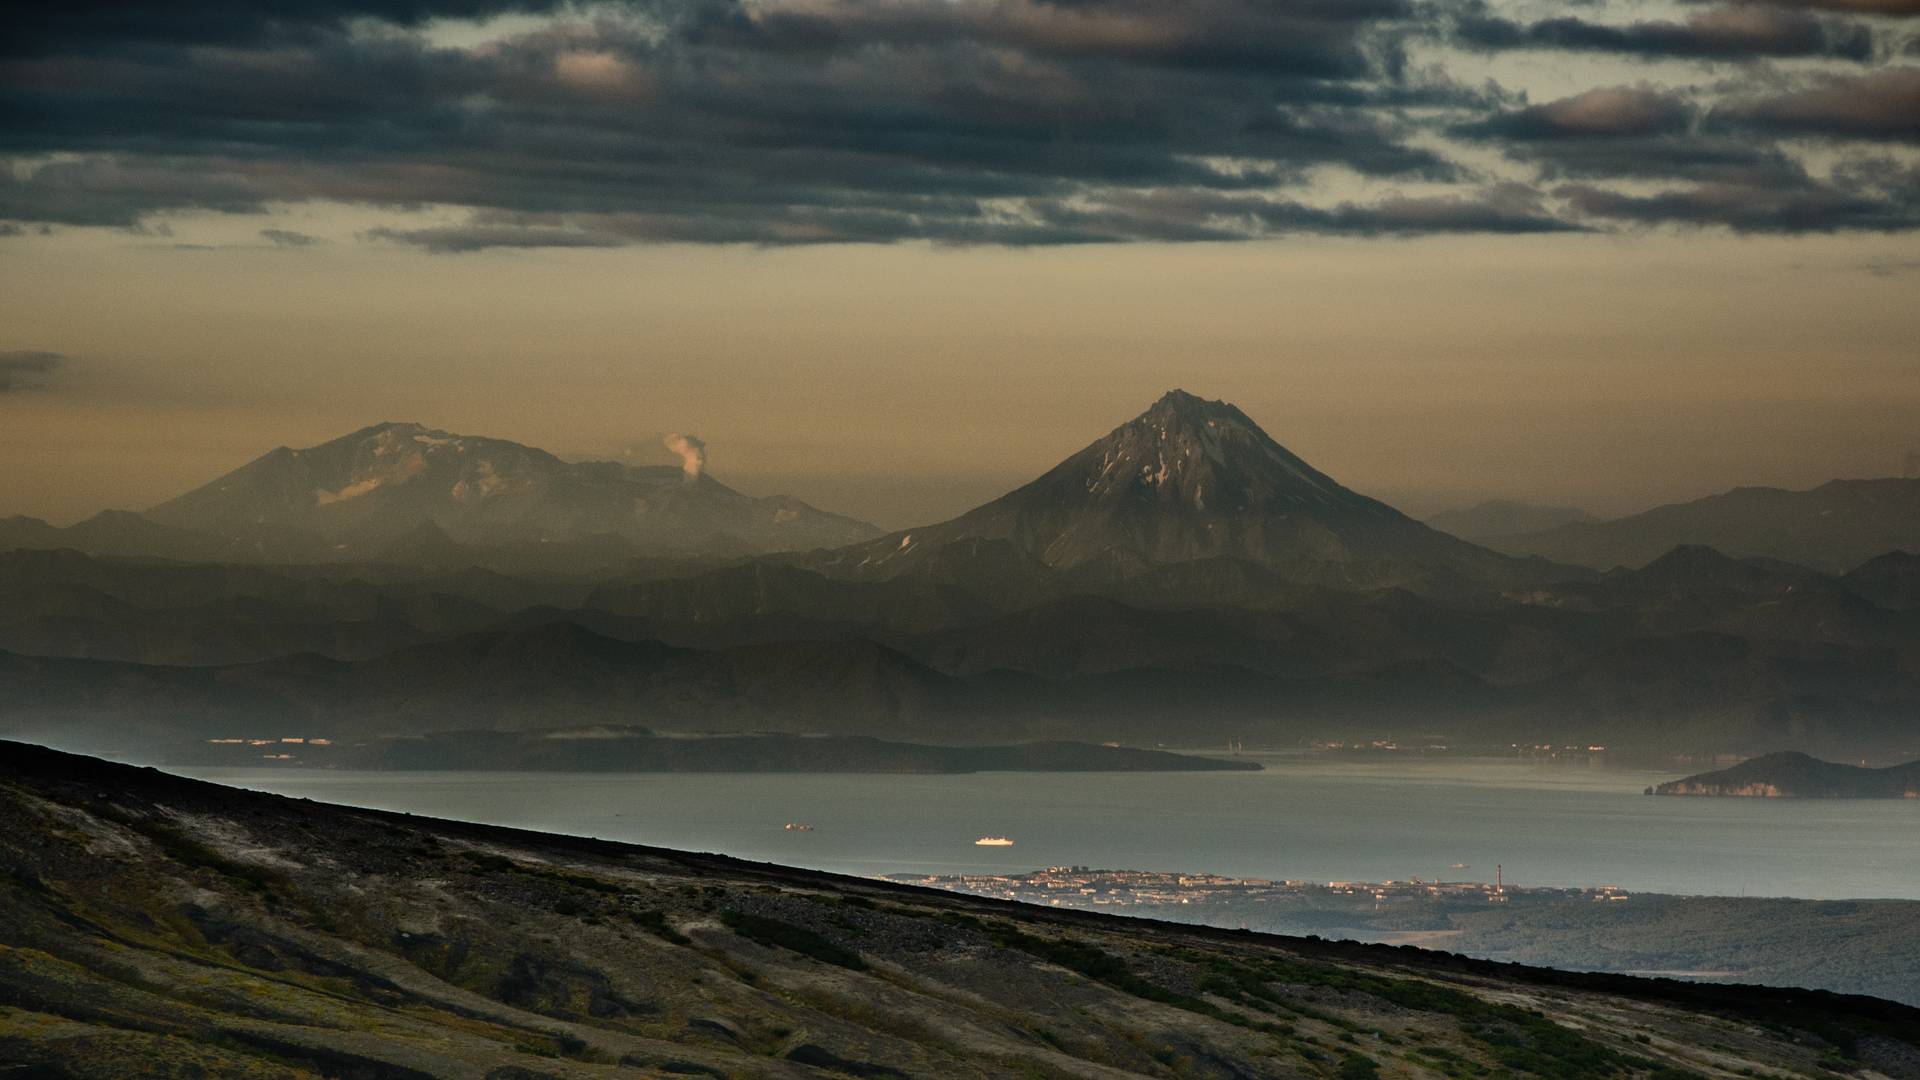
693, 453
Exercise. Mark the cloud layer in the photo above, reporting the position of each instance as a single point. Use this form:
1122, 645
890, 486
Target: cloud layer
955, 121
27, 369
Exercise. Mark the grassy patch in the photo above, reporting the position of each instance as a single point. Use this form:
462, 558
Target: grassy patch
655, 922
1093, 962
499, 864
785, 935
1358, 1067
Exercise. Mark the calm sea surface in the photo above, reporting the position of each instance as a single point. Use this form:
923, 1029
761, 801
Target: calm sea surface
1303, 817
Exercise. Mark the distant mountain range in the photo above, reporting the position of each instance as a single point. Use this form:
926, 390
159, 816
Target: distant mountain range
1503, 517
1639, 669
415, 495
1834, 527
1183, 580
1798, 776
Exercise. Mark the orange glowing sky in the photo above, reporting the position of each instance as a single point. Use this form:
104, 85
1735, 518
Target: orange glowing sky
905, 383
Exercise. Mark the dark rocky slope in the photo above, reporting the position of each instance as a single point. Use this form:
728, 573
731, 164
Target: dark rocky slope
161, 927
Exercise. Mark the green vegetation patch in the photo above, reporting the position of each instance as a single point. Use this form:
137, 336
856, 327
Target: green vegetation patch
1093, 962
1358, 1067
498, 864
1518, 1040
785, 935
655, 922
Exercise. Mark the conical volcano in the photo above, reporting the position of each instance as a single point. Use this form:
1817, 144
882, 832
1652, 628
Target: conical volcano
1192, 479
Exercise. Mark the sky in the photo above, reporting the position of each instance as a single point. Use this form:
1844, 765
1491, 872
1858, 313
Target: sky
897, 256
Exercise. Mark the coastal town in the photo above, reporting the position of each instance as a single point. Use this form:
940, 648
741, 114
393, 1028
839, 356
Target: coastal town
283, 748
1253, 903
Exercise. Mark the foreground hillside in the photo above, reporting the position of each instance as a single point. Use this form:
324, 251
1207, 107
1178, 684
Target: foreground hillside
164, 927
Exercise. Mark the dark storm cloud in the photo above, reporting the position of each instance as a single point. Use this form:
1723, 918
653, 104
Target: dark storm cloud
121, 192
1888, 268
1881, 105
1607, 112
27, 369
822, 121
1304, 39
1708, 160
1876, 196
287, 238
1638, 132
1727, 32
1896, 8
1732, 180
1115, 217
800, 121
96, 25
478, 236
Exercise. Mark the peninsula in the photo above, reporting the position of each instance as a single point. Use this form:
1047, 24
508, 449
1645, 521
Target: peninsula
1799, 776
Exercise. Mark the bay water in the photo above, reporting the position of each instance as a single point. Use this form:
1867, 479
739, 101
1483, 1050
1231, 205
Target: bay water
1304, 817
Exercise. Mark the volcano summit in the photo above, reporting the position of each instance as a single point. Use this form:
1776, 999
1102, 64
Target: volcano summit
1191, 479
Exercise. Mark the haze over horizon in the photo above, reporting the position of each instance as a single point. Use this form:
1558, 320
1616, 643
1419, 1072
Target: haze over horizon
1423, 459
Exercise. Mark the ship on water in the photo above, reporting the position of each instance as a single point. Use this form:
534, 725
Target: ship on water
993, 841
798, 826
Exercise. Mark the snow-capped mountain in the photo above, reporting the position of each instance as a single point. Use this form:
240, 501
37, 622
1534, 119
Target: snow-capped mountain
365, 490
1187, 480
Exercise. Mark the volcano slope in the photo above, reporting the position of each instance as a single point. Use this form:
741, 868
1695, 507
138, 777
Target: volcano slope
155, 926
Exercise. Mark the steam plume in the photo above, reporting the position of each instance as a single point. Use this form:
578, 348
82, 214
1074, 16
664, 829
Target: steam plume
693, 453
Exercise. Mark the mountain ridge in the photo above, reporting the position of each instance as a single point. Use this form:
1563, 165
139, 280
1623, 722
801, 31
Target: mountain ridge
1833, 527
382, 482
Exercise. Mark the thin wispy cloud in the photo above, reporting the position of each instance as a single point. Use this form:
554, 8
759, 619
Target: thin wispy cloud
288, 238
27, 369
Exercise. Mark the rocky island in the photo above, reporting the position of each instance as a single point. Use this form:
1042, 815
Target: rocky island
1799, 776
